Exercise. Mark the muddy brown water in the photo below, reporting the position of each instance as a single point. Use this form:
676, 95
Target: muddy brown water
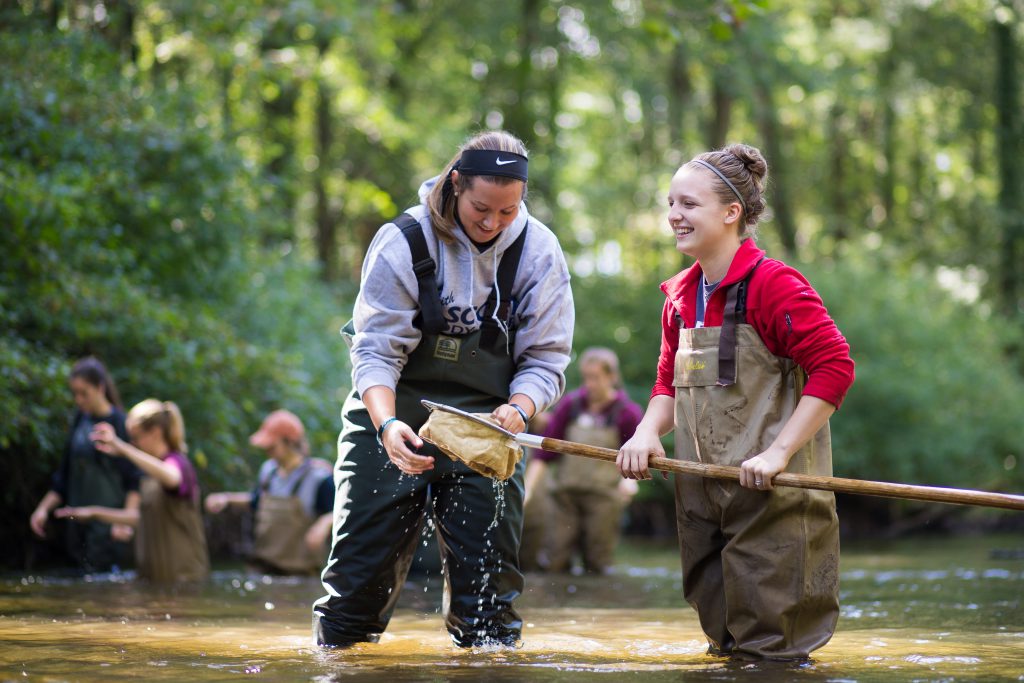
938, 609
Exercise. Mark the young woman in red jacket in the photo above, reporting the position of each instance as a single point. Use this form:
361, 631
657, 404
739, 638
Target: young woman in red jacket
751, 368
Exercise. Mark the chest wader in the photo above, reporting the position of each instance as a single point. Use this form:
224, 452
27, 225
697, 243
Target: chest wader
760, 567
170, 544
281, 526
94, 480
588, 505
379, 512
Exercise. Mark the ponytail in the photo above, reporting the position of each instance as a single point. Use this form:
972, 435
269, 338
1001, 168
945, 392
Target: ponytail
166, 416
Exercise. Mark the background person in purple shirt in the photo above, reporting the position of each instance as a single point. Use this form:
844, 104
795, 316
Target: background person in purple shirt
170, 543
587, 497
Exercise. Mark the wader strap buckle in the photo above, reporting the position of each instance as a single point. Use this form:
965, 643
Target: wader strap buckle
735, 314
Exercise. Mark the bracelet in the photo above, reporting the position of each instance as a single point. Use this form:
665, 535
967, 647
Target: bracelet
522, 413
383, 426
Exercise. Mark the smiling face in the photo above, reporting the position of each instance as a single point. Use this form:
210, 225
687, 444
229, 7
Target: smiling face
703, 226
486, 208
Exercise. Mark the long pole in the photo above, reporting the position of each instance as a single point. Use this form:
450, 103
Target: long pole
933, 494
885, 489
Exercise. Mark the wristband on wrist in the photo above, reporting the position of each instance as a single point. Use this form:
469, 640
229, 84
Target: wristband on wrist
522, 413
380, 430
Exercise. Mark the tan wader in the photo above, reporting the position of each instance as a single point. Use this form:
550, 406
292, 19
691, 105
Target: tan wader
760, 567
170, 544
281, 526
586, 500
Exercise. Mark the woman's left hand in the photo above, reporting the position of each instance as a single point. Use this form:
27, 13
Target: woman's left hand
757, 472
509, 418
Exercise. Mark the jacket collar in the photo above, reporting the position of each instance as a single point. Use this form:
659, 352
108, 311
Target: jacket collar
685, 281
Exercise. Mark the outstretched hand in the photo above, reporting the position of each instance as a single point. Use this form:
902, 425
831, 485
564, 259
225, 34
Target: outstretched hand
78, 514
105, 439
397, 438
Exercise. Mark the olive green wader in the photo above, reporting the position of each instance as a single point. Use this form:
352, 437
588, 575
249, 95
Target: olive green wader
281, 526
170, 544
587, 502
760, 567
379, 512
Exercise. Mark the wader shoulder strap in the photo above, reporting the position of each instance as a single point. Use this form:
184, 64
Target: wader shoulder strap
505, 279
735, 314
429, 319
303, 471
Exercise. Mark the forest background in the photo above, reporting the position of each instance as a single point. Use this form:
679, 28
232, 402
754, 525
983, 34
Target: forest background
187, 189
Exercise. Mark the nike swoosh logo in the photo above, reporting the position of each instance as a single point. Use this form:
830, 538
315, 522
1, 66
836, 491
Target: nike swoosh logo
501, 162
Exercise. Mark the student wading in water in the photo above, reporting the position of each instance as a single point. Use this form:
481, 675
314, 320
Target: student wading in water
293, 499
751, 369
464, 300
88, 477
170, 543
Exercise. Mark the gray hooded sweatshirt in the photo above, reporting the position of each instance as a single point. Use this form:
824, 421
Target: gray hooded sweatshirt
388, 301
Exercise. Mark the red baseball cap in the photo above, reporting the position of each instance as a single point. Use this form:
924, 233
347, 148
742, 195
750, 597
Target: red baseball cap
279, 424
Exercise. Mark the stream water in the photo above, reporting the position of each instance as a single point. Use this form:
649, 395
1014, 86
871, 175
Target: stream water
937, 609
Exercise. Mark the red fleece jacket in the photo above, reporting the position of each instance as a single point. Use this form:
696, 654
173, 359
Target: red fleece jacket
787, 313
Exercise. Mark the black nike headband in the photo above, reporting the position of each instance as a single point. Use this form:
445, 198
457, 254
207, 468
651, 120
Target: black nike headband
494, 163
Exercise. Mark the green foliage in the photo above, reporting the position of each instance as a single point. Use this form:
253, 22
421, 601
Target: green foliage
131, 237
936, 399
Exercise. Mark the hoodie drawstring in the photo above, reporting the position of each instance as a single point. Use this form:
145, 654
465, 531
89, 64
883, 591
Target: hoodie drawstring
497, 306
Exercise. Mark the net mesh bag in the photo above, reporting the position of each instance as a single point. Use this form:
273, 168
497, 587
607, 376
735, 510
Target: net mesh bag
483, 450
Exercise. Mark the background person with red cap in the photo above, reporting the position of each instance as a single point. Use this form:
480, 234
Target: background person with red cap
293, 499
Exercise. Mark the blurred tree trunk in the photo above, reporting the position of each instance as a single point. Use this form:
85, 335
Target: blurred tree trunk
836, 184
721, 109
56, 9
772, 132
887, 178
778, 165
279, 141
326, 225
520, 119
226, 73
680, 89
120, 28
1009, 149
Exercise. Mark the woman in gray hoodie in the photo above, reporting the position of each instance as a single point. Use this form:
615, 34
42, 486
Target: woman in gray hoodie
463, 300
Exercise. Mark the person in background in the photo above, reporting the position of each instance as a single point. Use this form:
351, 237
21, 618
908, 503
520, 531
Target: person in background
88, 477
537, 507
588, 497
751, 368
293, 499
170, 543
464, 300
